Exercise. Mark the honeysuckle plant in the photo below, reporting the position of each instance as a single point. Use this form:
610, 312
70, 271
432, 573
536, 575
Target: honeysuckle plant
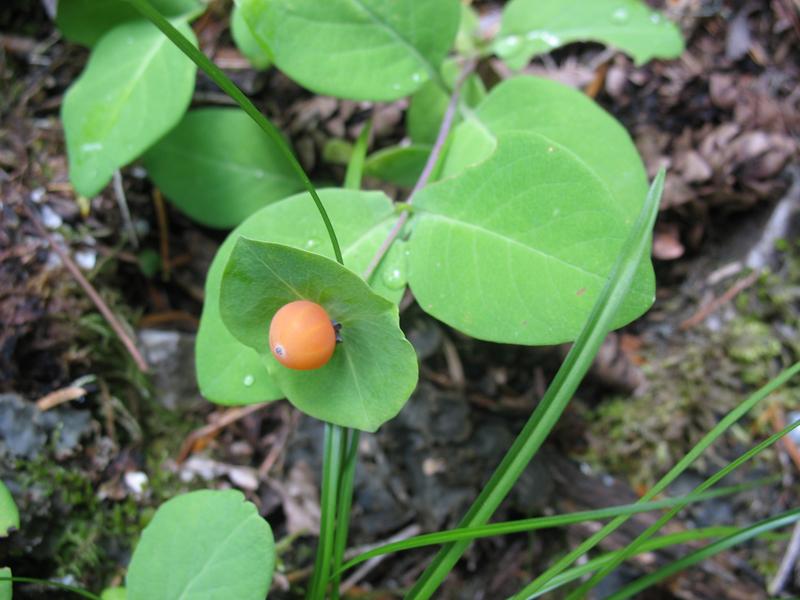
529, 222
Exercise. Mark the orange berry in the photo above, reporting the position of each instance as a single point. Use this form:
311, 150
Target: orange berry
302, 336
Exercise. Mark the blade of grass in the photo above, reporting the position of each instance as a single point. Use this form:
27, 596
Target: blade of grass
749, 533
55, 584
345, 501
509, 527
679, 468
659, 543
664, 519
558, 394
227, 86
331, 469
355, 168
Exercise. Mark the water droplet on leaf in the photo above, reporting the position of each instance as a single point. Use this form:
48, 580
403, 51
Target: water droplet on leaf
394, 279
248, 380
311, 243
620, 16
91, 147
550, 39
507, 45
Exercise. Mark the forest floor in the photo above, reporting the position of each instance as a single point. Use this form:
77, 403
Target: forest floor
90, 445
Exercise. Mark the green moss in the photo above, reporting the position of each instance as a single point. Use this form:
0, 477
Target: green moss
698, 378
753, 344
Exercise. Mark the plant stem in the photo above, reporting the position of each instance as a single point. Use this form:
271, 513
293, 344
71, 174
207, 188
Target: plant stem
343, 509
355, 168
55, 584
331, 469
558, 394
782, 520
536, 523
227, 86
433, 158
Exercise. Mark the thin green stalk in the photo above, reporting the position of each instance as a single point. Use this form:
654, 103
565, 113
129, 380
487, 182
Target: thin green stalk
558, 394
662, 484
227, 86
331, 469
665, 541
509, 527
633, 547
355, 168
749, 533
55, 584
345, 502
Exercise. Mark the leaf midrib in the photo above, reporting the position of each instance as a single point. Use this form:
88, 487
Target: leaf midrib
234, 166
210, 559
394, 33
512, 241
132, 84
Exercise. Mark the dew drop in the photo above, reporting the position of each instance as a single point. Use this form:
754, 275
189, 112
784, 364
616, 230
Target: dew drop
655, 19
394, 279
416, 77
550, 39
620, 16
311, 243
92, 147
507, 45
248, 380
551, 149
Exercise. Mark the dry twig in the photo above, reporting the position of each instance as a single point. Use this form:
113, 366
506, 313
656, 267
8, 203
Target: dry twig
109, 316
208, 432
707, 309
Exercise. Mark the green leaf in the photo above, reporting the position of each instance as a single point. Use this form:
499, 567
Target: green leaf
558, 394
429, 103
116, 593
219, 167
518, 249
468, 40
247, 44
400, 165
86, 21
531, 27
228, 372
200, 545
9, 515
563, 115
118, 107
6, 589
373, 370
470, 143
359, 49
